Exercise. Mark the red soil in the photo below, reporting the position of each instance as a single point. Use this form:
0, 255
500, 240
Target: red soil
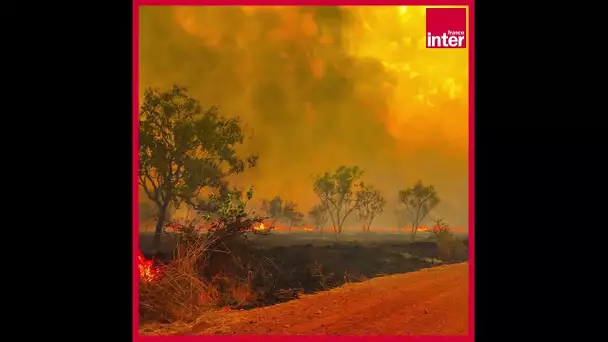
432, 301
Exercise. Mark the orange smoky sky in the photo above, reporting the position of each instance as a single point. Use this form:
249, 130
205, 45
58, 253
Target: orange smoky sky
319, 87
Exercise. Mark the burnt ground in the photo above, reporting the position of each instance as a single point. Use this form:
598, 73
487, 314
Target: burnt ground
282, 273
291, 273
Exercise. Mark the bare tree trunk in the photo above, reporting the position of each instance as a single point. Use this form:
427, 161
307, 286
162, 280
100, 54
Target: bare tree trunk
339, 227
159, 229
162, 217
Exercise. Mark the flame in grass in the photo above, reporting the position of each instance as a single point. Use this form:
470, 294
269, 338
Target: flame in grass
280, 228
309, 229
261, 227
147, 270
172, 228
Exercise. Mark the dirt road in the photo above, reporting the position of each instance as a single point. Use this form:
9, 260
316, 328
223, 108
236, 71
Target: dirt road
431, 301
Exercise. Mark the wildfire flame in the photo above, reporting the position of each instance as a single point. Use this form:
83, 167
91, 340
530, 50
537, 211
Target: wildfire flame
147, 270
283, 228
260, 227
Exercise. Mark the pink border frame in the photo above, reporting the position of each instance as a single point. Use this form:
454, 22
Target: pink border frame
135, 166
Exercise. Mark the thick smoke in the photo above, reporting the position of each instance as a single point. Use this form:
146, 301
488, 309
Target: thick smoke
318, 87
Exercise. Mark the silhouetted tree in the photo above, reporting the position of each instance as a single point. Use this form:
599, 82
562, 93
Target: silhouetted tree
319, 216
184, 149
337, 192
418, 201
273, 209
284, 211
291, 215
370, 204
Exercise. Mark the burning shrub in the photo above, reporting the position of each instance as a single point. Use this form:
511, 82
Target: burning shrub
176, 293
147, 270
180, 293
204, 271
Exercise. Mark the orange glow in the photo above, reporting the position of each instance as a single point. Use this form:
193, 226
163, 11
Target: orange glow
147, 270
260, 227
283, 228
403, 114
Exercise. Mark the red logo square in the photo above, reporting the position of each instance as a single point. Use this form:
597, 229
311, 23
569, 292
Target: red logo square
446, 28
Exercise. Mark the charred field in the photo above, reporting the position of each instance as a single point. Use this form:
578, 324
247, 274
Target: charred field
291, 264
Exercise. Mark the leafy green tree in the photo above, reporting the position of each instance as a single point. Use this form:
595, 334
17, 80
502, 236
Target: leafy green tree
337, 192
370, 204
229, 217
227, 225
184, 149
418, 201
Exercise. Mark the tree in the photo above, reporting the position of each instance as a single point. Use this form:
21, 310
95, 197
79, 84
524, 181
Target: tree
228, 225
418, 201
319, 216
280, 210
337, 193
291, 214
371, 203
273, 209
440, 229
184, 149
230, 219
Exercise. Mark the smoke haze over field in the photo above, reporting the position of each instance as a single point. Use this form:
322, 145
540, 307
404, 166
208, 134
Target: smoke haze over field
319, 87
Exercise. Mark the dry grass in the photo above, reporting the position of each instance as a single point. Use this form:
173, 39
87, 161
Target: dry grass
212, 322
177, 294
158, 329
180, 295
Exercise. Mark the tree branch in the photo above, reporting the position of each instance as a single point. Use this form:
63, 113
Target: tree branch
152, 196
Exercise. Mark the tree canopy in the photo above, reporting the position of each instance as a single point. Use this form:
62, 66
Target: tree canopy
278, 209
337, 192
370, 204
418, 200
184, 148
